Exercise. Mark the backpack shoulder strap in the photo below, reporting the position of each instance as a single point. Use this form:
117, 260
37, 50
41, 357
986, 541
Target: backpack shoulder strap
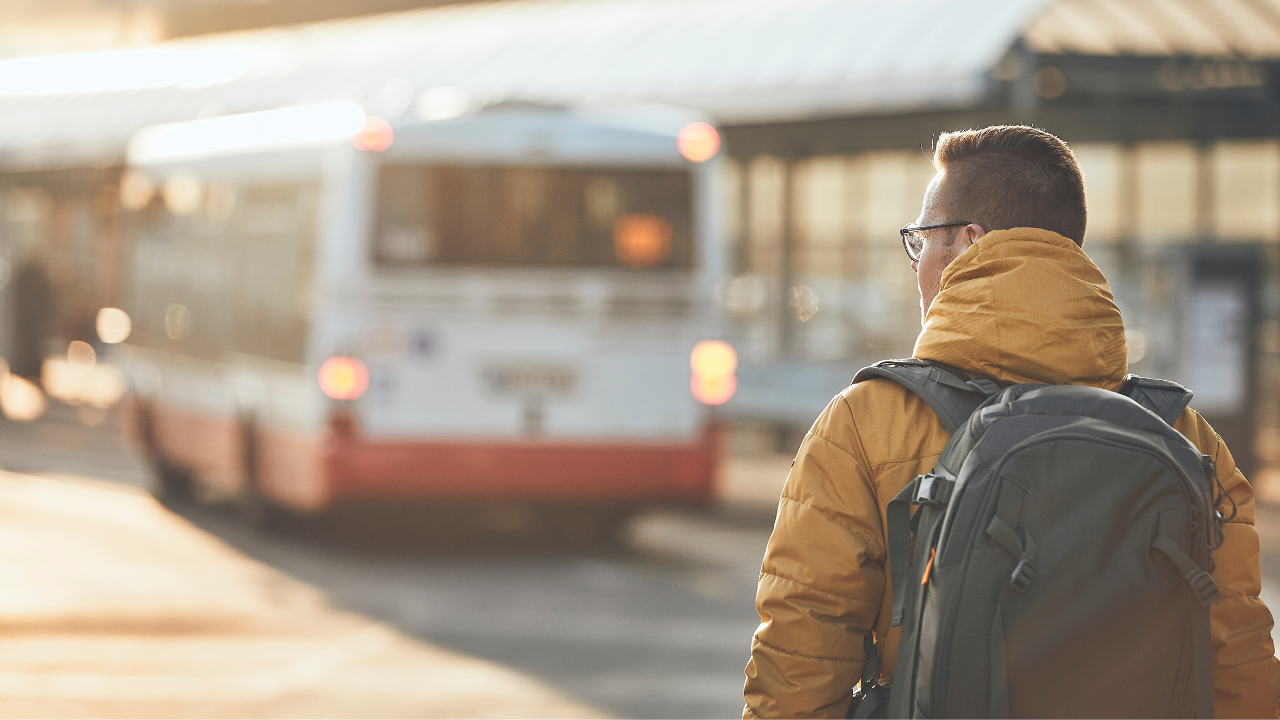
948, 391
1162, 397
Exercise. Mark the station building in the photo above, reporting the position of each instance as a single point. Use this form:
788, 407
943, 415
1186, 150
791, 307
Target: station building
828, 109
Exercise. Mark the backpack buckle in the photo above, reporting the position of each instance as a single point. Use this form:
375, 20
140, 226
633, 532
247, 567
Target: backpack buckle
932, 490
986, 386
1022, 575
1204, 586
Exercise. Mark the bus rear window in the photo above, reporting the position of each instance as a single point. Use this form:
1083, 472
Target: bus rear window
456, 215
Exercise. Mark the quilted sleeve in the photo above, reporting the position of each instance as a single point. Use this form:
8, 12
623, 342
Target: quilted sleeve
822, 578
1246, 673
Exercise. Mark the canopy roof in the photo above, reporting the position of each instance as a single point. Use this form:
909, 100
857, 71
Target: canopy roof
1213, 28
741, 61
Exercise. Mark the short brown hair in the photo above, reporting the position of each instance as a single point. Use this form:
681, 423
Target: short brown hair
1008, 176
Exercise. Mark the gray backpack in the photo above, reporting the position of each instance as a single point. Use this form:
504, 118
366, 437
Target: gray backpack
1061, 563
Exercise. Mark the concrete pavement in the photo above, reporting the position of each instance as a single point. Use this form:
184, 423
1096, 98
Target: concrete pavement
115, 606
112, 606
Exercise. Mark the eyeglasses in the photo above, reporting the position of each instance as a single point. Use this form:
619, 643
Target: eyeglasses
913, 237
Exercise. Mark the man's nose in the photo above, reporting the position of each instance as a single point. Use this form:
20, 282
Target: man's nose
915, 266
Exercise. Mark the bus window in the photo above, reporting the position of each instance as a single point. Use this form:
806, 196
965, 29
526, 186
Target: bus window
233, 276
453, 215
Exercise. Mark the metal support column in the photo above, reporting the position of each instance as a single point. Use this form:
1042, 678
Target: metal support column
787, 321
1205, 210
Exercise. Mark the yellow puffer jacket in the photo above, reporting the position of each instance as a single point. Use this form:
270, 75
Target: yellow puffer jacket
1019, 306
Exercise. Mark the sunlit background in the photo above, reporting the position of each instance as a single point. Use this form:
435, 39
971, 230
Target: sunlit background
565, 280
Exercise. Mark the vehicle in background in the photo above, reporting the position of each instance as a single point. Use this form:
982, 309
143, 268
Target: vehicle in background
493, 310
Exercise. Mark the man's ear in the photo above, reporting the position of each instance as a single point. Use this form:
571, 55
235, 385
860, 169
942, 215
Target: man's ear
967, 236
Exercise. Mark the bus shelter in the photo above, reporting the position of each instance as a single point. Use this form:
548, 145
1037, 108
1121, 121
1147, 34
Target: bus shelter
1171, 110
827, 108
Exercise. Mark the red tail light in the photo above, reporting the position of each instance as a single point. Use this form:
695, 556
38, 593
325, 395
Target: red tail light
713, 363
698, 142
376, 135
343, 378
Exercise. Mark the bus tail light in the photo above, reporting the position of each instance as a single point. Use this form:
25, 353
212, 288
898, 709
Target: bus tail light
713, 391
713, 363
698, 142
343, 378
376, 135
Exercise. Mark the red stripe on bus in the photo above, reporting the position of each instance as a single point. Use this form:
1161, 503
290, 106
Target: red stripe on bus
310, 473
522, 469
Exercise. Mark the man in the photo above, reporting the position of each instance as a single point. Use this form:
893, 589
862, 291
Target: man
1006, 292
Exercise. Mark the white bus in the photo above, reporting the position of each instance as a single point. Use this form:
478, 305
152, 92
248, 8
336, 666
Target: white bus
497, 308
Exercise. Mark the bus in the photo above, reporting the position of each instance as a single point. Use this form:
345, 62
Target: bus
510, 308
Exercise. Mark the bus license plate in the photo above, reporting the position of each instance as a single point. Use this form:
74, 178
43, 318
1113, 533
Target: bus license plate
532, 379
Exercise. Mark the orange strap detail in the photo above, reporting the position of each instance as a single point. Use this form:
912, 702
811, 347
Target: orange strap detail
928, 567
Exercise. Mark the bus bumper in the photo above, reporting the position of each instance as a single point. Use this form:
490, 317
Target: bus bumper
358, 468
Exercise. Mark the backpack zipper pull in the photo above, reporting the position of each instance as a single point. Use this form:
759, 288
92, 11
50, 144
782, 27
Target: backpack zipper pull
1217, 528
924, 579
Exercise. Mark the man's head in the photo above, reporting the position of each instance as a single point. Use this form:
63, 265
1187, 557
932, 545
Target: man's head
995, 178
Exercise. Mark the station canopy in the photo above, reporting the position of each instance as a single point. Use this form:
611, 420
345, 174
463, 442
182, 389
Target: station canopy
740, 61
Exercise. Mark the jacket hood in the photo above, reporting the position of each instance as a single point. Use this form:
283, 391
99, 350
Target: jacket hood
1026, 305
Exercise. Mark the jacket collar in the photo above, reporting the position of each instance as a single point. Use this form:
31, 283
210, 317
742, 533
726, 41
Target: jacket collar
1026, 305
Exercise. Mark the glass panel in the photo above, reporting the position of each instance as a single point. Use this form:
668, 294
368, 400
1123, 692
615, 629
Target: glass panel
896, 182
533, 217
1215, 344
820, 215
733, 204
888, 312
1166, 192
767, 176
856, 196
233, 276
1246, 197
1101, 164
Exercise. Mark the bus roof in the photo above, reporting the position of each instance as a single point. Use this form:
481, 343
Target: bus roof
292, 140
644, 136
